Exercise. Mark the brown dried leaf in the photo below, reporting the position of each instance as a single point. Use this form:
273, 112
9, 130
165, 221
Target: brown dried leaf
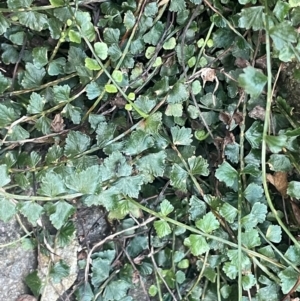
238, 117
196, 125
118, 102
241, 63
279, 180
225, 117
57, 124
270, 178
218, 142
296, 212
81, 255
257, 112
138, 259
231, 120
208, 75
135, 277
261, 62
229, 139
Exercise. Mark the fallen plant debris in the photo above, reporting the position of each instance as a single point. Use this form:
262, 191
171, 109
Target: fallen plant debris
174, 121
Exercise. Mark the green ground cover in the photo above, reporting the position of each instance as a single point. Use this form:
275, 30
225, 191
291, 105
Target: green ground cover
173, 117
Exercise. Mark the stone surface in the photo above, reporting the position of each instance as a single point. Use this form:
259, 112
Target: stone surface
15, 262
26, 298
53, 290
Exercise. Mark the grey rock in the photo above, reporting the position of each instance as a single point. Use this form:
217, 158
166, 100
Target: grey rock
15, 262
53, 290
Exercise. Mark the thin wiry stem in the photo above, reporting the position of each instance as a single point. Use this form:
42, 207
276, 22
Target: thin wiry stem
33, 8
240, 203
265, 131
199, 276
208, 236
